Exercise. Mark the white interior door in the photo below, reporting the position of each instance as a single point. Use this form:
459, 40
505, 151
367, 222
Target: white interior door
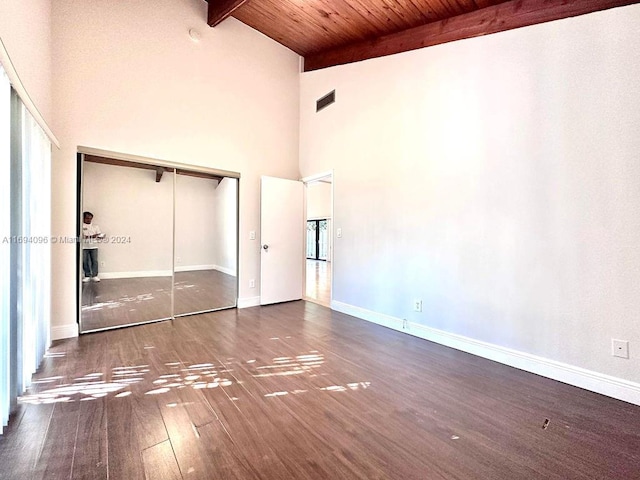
282, 222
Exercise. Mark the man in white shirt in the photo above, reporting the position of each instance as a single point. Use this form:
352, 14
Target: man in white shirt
91, 236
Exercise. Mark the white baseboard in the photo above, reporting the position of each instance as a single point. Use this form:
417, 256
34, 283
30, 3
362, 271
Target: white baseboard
195, 268
167, 273
228, 271
139, 274
61, 332
248, 302
589, 380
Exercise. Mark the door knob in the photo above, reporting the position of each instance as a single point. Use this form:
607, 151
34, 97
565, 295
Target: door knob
265, 247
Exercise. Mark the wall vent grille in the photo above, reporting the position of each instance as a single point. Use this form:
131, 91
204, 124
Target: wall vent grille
325, 101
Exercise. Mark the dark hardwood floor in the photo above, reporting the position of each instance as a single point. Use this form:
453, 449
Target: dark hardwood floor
128, 301
295, 391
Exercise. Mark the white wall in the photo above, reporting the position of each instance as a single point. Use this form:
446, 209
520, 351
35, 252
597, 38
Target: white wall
318, 200
25, 31
196, 213
128, 204
496, 179
128, 78
225, 237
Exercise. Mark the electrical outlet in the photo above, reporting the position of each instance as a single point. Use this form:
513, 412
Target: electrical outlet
102, 264
339, 232
252, 283
417, 305
252, 235
178, 259
620, 348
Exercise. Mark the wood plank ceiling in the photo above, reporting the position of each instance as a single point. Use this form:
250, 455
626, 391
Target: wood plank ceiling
335, 32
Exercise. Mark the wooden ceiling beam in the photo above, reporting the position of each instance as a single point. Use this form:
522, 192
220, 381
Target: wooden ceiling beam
497, 18
219, 10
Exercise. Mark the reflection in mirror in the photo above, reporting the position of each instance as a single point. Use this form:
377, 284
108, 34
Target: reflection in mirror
132, 206
206, 243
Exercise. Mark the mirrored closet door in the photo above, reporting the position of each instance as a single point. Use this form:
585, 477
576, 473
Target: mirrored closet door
156, 241
205, 242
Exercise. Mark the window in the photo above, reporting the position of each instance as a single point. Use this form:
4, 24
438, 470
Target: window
5, 116
25, 223
317, 239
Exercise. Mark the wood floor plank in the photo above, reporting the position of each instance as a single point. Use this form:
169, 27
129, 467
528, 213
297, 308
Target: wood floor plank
86, 373
56, 458
124, 461
90, 454
160, 463
21, 443
134, 420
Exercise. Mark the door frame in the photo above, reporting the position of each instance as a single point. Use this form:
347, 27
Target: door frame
318, 177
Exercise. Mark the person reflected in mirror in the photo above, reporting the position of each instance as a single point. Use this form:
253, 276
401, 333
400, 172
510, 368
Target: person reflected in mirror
91, 236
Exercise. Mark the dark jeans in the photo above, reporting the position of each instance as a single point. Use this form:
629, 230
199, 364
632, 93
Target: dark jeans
90, 262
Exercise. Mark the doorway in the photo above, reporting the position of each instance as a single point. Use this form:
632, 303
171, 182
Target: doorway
319, 238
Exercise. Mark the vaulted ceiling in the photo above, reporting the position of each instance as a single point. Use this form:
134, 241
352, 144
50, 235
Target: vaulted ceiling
335, 32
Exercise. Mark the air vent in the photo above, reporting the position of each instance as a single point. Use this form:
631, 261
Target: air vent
325, 101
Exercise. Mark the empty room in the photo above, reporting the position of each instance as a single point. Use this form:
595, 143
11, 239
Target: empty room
460, 304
